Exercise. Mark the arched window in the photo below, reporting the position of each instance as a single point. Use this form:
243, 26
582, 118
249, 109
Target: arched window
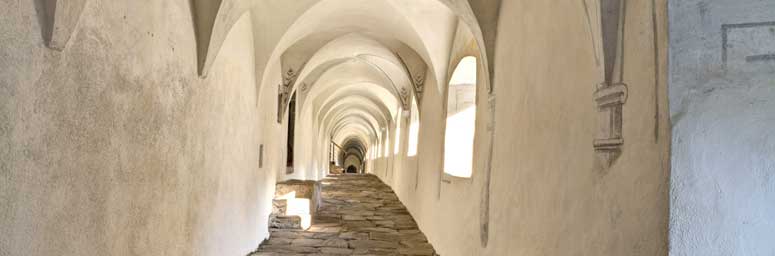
397, 141
414, 129
461, 119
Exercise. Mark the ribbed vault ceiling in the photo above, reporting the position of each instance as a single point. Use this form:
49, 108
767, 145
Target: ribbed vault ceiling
353, 64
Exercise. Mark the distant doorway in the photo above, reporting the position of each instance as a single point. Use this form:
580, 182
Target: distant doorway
352, 169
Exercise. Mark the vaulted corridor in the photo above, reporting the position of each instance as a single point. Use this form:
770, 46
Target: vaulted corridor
359, 215
387, 127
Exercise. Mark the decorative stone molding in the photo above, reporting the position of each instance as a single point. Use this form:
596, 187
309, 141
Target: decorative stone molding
484, 207
60, 19
419, 85
610, 99
404, 94
611, 94
416, 76
304, 87
284, 91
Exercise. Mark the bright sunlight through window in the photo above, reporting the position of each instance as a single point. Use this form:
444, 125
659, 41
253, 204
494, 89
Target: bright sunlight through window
461, 120
414, 129
386, 150
397, 143
298, 207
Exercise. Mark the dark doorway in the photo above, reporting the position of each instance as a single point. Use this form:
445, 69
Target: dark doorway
291, 129
352, 169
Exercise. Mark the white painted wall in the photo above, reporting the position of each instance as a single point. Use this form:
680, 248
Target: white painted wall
723, 152
549, 196
121, 138
115, 146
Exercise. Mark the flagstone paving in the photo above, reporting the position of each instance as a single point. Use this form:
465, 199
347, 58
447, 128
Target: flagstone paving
359, 215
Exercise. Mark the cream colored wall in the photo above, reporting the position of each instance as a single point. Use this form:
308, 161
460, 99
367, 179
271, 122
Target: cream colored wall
115, 146
549, 196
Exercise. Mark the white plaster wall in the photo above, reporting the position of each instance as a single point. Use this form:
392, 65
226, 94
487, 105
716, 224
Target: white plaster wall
723, 152
119, 137
549, 196
116, 147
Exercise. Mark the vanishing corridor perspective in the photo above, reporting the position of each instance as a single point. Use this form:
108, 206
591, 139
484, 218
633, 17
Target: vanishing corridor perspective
387, 127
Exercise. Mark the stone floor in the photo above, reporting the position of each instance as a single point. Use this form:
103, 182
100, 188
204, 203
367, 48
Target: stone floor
359, 215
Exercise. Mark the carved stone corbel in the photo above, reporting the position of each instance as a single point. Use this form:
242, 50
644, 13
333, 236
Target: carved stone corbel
419, 84
283, 95
611, 94
404, 94
417, 78
304, 87
610, 99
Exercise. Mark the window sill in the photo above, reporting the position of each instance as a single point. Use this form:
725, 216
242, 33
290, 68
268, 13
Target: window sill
449, 179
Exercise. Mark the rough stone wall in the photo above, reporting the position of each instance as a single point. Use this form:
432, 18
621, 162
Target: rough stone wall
549, 193
722, 104
115, 146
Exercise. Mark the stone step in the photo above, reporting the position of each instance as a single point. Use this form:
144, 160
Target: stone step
359, 215
285, 222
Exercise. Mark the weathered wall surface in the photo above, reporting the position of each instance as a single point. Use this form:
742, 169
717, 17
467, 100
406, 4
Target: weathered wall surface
722, 103
549, 195
115, 146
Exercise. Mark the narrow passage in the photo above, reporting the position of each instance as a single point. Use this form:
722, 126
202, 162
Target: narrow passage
359, 215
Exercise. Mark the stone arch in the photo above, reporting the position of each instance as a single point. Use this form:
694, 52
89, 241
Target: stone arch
384, 65
413, 41
482, 18
211, 24
341, 120
467, 44
213, 20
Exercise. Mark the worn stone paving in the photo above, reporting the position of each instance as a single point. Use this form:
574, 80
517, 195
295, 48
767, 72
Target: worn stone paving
359, 215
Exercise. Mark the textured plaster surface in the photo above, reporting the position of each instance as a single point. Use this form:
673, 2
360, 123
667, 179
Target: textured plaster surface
114, 146
723, 113
549, 196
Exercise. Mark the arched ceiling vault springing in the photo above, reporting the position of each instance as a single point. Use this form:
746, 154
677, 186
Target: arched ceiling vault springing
422, 26
59, 20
